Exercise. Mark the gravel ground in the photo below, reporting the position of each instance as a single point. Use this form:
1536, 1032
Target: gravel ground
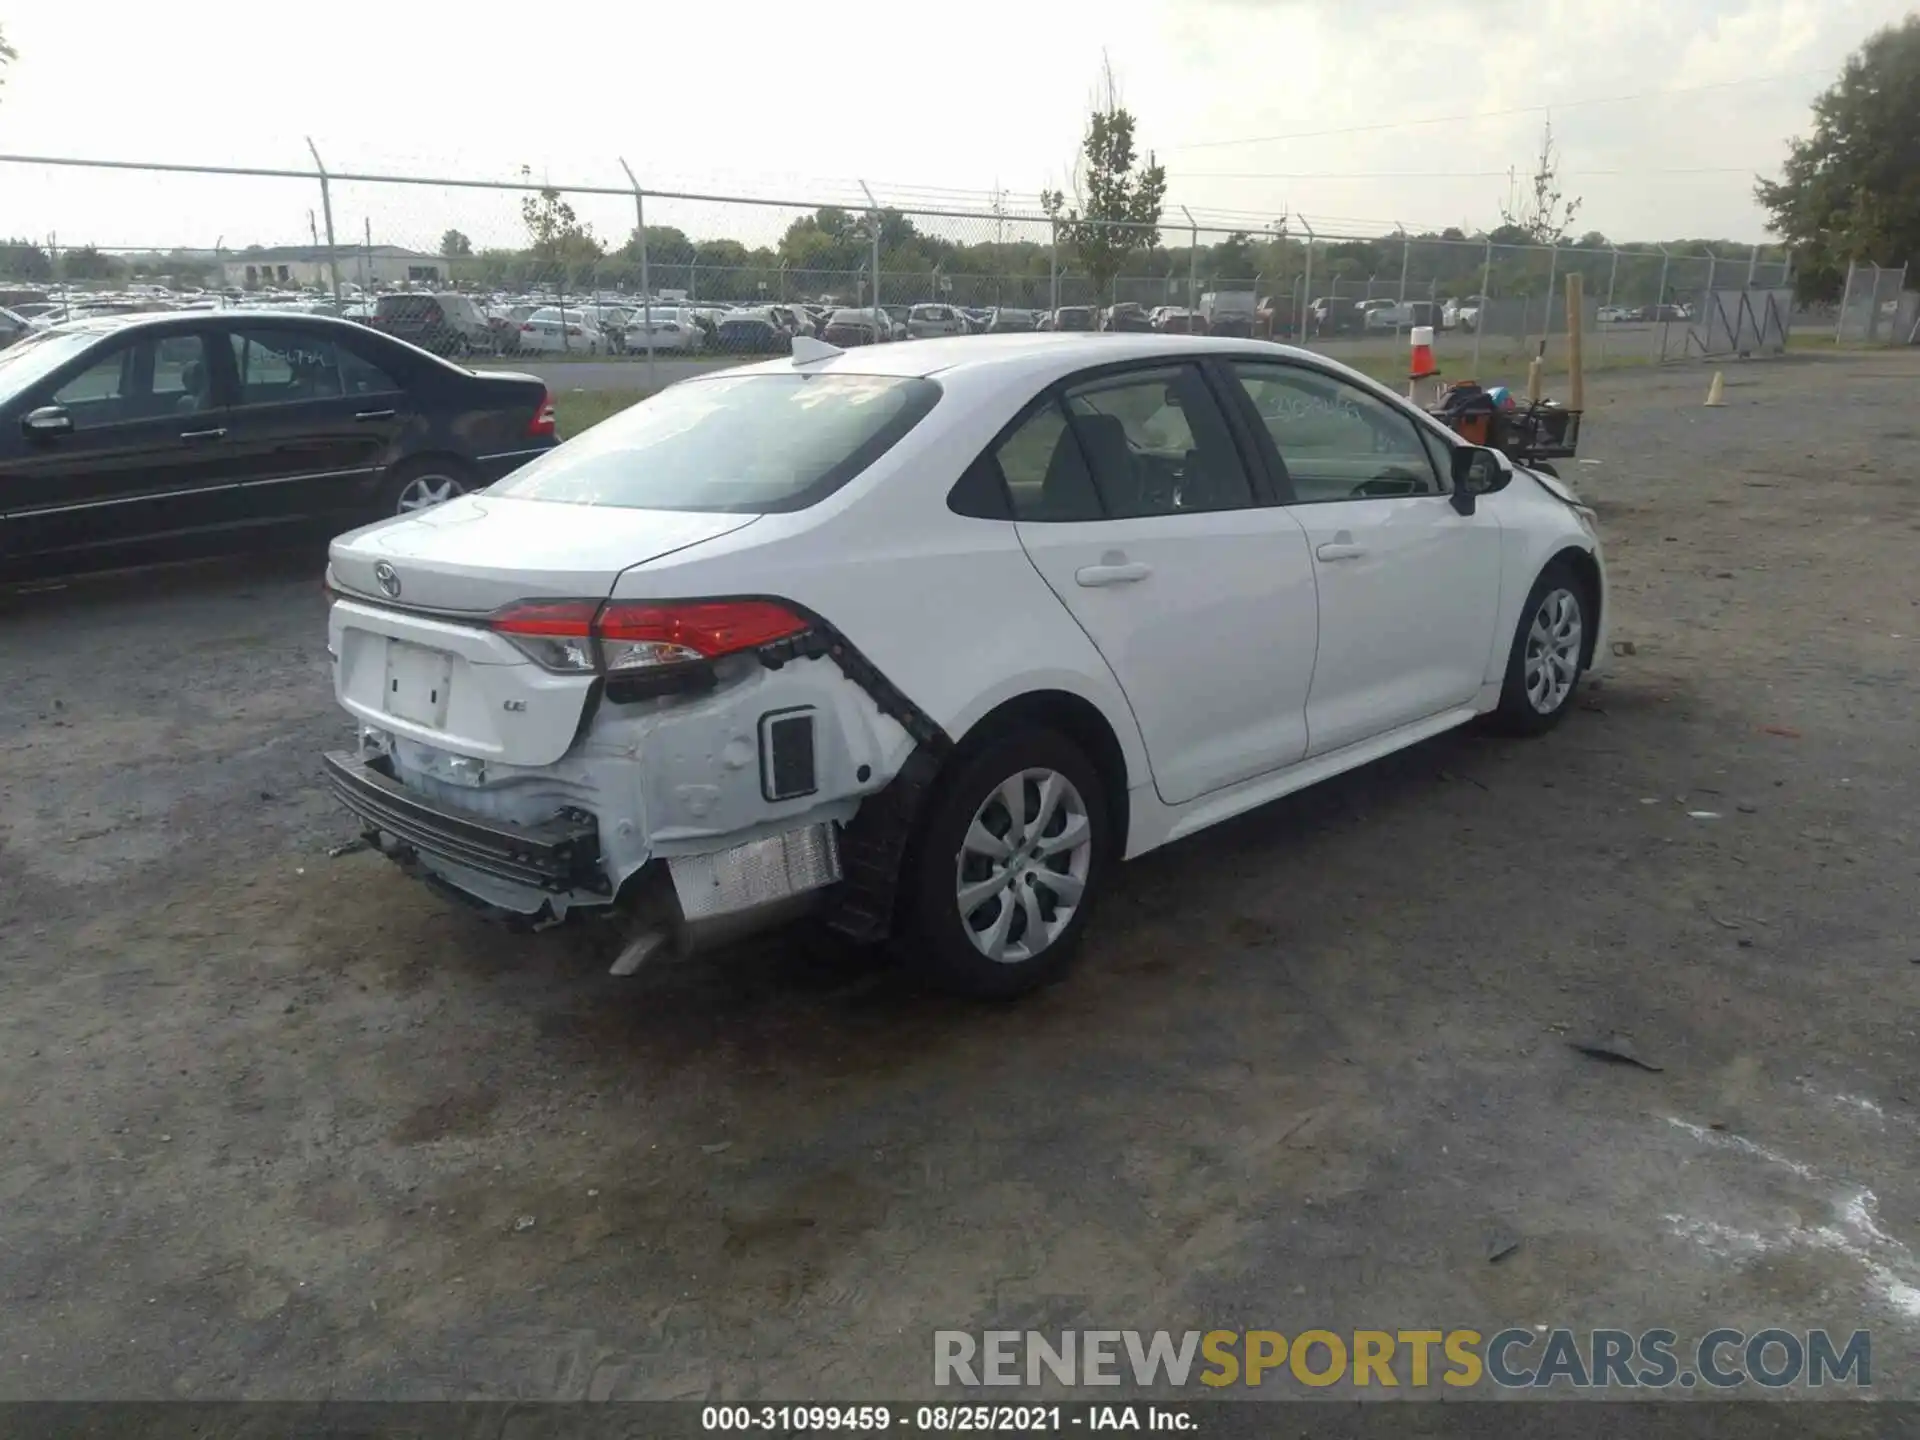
287, 1126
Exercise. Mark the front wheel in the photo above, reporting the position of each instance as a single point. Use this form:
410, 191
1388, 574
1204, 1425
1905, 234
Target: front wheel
1543, 667
1013, 851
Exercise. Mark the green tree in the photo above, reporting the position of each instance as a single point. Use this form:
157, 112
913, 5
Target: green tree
84, 262
1851, 190
455, 246
24, 260
558, 244
1118, 206
1543, 213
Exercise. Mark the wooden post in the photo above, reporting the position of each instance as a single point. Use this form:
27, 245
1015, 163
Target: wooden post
1576, 335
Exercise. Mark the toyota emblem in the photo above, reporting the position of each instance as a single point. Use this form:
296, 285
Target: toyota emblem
388, 578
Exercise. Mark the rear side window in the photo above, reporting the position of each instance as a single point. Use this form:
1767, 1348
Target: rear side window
742, 444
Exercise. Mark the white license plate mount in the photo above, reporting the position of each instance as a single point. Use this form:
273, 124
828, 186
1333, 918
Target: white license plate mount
417, 683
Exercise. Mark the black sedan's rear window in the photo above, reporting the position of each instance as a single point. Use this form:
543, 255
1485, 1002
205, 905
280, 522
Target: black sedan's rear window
737, 444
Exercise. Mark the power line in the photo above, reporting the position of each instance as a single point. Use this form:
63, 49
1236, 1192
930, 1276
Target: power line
1496, 114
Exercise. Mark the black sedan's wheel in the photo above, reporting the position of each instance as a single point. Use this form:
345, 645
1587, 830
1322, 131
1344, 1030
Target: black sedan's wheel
1549, 647
1013, 851
422, 484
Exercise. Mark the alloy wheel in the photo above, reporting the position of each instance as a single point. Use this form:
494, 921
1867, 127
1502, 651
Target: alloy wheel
423, 492
1022, 867
1553, 651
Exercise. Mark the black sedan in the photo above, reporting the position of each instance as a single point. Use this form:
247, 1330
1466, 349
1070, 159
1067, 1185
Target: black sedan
135, 439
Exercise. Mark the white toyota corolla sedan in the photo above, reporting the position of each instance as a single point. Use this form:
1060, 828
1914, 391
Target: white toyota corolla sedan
931, 637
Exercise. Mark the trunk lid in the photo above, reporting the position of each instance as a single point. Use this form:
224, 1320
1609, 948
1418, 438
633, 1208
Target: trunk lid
479, 552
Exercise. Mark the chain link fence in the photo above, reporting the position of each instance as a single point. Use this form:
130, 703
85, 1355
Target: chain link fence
1876, 308
584, 268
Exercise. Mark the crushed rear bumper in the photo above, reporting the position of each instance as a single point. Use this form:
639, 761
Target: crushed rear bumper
558, 855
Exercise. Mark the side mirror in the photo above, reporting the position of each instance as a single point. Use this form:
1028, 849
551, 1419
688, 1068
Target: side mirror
47, 420
1477, 471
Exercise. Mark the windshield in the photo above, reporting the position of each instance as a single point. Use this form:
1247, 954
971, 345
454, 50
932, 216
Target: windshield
743, 444
36, 356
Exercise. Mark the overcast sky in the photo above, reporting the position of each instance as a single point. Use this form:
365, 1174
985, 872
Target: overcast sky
1663, 109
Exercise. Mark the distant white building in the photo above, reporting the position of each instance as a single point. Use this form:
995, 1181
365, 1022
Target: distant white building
302, 265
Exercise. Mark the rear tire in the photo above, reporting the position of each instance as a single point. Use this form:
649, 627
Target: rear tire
998, 900
421, 484
1547, 656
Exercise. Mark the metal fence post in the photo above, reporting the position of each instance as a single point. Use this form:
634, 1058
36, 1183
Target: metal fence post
1553, 274
1660, 301
326, 210
1753, 263
1480, 311
640, 240
873, 219
1613, 274
1400, 301
1193, 262
1306, 281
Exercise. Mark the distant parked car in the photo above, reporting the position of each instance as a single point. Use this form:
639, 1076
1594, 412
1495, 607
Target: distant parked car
793, 319
445, 323
672, 327
1612, 314
1127, 316
1074, 317
12, 327
929, 322
1177, 320
846, 328
1002, 321
550, 330
131, 440
898, 315
1331, 315
753, 332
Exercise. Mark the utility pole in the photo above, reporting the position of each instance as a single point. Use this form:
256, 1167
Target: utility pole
873, 220
326, 209
646, 287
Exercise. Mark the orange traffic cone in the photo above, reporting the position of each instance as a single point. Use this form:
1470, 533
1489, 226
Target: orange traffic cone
1424, 374
1423, 363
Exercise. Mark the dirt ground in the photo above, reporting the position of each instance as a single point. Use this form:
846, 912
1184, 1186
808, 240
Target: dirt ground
280, 1125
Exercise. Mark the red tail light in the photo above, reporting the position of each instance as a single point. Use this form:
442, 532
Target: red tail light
623, 636
526, 327
544, 422
573, 329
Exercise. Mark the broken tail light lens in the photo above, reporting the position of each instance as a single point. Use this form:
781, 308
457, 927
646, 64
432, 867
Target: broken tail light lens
636, 635
624, 636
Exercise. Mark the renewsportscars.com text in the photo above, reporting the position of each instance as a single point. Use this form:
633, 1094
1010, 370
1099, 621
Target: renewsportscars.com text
1510, 1359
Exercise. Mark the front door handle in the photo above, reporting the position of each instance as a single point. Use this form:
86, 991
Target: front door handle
1341, 547
1124, 572
218, 433
373, 414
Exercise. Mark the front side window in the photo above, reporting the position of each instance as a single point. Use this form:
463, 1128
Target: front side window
740, 444
139, 380
1157, 444
1337, 441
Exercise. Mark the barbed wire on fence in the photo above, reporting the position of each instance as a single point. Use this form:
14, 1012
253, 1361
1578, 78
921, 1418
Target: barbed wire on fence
532, 241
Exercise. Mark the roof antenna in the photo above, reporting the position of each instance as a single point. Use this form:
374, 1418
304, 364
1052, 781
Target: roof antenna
809, 351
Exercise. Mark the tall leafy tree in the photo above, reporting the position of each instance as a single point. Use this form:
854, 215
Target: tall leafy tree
454, 245
1851, 190
1117, 198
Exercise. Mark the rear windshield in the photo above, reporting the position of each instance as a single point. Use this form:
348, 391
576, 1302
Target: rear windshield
740, 444
407, 307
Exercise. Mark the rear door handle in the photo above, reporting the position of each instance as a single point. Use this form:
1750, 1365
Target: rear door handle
219, 433
1125, 572
373, 414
